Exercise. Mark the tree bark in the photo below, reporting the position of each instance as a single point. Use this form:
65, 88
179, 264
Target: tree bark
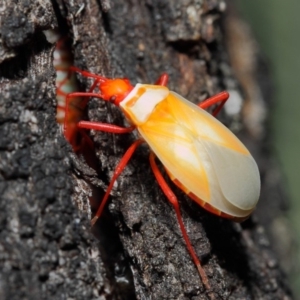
47, 249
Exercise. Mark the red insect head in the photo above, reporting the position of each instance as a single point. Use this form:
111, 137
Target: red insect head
115, 90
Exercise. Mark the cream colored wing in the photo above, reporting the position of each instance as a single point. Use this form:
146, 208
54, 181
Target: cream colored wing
237, 175
203, 155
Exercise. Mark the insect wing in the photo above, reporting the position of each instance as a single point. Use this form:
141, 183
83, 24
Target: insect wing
203, 155
237, 175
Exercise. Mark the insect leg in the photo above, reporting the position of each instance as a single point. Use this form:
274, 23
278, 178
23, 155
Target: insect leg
69, 99
121, 165
101, 127
221, 97
85, 146
173, 200
105, 127
87, 74
162, 80
85, 141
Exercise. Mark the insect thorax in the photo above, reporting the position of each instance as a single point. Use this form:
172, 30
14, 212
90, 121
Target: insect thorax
142, 100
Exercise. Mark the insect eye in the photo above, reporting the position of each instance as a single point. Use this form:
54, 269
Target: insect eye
113, 99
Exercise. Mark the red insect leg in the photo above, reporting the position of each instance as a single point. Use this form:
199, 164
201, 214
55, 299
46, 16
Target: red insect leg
162, 80
221, 97
105, 127
84, 102
88, 74
85, 144
173, 200
120, 167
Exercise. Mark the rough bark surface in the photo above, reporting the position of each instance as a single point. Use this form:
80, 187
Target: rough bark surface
47, 249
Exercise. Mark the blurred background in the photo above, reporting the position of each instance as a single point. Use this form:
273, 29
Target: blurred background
276, 26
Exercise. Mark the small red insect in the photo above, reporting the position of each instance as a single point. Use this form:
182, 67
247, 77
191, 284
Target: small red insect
69, 114
201, 156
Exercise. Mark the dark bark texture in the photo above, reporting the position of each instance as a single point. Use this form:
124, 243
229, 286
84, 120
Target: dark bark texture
47, 248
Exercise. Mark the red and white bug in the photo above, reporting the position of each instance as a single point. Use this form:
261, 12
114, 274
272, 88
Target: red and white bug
203, 157
66, 83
